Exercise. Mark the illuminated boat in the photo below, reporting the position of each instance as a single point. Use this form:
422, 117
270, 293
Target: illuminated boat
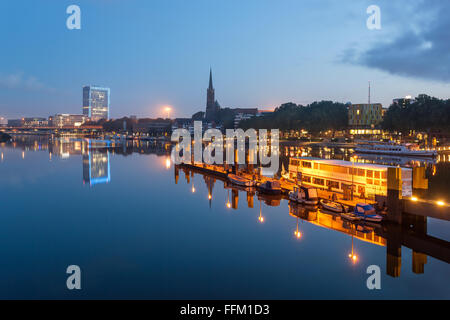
367, 213
240, 181
333, 206
394, 149
305, 195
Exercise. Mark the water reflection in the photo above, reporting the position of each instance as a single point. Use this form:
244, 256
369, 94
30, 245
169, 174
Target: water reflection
413, 234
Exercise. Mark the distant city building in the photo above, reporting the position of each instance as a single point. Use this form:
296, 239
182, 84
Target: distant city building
3, 122
96, 102
34, 122
365, 118
403, 102
15, 122
212, 105
67, 120
153, 126
243, 114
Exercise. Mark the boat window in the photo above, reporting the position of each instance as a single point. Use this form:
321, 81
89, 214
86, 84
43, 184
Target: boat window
306, 179
319, 181
361, 172
312, 193
333, 184
384, 183
377, 174
369, 174
384, 175
316, 166
339, 169
369, 181
306, 164
376, 182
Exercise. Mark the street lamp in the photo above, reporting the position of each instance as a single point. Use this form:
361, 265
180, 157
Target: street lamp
168, 109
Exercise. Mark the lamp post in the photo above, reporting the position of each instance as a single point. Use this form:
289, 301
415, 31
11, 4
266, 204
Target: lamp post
168, 109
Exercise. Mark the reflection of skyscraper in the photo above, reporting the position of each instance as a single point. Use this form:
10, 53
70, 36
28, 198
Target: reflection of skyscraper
96, 102
96, 169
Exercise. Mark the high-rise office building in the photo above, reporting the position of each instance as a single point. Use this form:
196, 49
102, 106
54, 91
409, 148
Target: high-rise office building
96, 102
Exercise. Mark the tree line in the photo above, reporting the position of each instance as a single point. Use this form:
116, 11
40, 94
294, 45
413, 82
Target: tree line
315, 117
424, 113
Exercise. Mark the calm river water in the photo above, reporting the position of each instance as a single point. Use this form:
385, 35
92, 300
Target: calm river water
133, 224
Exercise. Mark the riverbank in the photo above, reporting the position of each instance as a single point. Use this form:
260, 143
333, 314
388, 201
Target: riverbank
4, 137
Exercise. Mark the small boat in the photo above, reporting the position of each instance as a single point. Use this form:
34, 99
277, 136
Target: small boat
350, 216
367, 212
270, 187
305, 195
333, 206
240, 181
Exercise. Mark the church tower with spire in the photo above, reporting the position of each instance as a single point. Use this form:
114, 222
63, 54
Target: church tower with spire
212, 106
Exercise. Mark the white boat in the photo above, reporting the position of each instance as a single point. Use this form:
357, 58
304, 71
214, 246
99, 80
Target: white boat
305, 195
333, 206
393, 149
350, 216
240, 181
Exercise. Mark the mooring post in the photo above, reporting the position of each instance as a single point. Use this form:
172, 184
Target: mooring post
394, 197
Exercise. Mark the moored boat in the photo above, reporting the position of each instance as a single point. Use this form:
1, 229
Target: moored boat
333, 206
305, 195
394, 149
367, 213
270, 187
241, 181
350, 216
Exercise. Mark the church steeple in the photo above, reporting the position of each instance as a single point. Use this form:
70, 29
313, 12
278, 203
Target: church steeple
210, 80
211, 108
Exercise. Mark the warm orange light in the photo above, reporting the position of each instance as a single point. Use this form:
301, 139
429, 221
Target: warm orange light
440, 203
298, 234
353, 257
209, 197
228, 205
168, 163
261, 219
168, 110
193, 189
414, 199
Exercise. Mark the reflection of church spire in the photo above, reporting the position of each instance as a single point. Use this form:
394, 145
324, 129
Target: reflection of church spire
209, 181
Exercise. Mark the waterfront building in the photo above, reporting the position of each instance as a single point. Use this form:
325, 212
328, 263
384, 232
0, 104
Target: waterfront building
15, 122
3, 122
34, 122
241, 114
67, 120
96, 102
339, 176
365, 118
403, 102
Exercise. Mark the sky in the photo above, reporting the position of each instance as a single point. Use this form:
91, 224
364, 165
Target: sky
263, 53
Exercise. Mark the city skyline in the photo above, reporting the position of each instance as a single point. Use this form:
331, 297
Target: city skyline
310, 52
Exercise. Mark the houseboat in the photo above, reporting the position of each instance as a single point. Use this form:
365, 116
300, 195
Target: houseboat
366, 180
394, 149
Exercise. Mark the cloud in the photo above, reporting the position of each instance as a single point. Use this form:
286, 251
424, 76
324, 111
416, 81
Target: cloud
422, 50
21, 81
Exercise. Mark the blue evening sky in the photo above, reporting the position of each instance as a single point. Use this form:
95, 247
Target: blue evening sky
153, 53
